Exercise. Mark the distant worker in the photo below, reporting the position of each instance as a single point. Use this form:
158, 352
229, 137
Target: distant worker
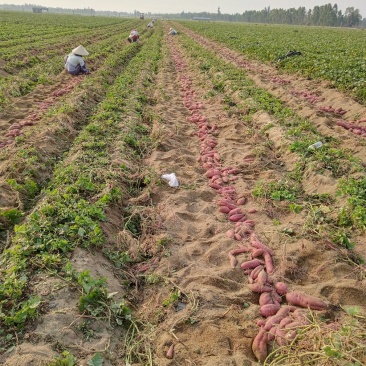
150, 25
134, 36
74, 62
172, 31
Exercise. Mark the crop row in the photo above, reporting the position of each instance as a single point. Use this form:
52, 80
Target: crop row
325, 218
26, 167
44, 67
350, 220
22, 29
326, 53
74, 204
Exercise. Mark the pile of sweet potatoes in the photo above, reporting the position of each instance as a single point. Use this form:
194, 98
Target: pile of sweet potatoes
281, 320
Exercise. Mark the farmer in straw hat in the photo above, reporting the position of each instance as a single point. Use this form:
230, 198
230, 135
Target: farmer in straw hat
172, 31
74, 62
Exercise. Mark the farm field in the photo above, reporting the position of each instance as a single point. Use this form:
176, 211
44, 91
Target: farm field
257, 257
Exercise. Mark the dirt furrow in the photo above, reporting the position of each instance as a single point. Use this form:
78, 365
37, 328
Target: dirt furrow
307, 97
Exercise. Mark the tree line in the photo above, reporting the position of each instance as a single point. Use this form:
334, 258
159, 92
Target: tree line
324, 15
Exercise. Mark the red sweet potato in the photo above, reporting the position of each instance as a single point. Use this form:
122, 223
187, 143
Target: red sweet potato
268, 261
241, 201
275, 319
305, 300
256, 287
255, 272
236, 210
259, 346
224, 209
257, 253
238, 237
262, 277
236, 217
170, 352
230, 233
269, 309
281, 288
256, 243
251, 264
265, 298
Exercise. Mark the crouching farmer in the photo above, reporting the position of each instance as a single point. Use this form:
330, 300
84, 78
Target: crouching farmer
74, 62
134, 36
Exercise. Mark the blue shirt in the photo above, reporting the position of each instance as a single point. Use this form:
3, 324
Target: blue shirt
72, 63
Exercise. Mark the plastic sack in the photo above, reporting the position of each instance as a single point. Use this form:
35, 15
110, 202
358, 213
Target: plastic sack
172, 179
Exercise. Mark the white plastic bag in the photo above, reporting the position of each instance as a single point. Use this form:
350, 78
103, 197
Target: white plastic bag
172, 179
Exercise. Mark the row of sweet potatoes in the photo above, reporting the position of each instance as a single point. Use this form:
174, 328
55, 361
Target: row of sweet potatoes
16, 128
281, 320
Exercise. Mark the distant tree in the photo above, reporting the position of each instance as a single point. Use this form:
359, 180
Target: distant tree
352, 17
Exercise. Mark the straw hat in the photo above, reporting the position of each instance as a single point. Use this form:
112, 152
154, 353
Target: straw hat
80, 50
170, 28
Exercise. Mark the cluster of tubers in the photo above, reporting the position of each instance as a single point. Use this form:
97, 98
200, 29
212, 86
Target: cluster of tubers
281, 320
353, 127
310, 97
16, 128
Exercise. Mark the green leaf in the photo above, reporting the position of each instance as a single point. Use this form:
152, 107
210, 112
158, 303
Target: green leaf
97, 360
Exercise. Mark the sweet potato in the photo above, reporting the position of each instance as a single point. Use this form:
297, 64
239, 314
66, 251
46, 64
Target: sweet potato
280, 336
251, 264
256, 287
224, 209
236, 210
275, 319
284, 322
256, 243
240, 250
269, 309
170, 352
262, 277
294, 324
257, 253
236, 217
255, 272
259, 346
238, 237
276, 296
230, 233
215, 186
281, 288
265, 298
241, 201
305, 300
268, 261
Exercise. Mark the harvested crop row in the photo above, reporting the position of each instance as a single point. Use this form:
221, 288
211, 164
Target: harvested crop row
199, 120
260, 282
301, 134
267, 77
319, 56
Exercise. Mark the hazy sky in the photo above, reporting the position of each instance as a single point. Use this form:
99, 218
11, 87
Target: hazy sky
171, 6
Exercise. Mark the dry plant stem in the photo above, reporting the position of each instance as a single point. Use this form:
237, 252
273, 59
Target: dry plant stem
227, 311
178, 340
